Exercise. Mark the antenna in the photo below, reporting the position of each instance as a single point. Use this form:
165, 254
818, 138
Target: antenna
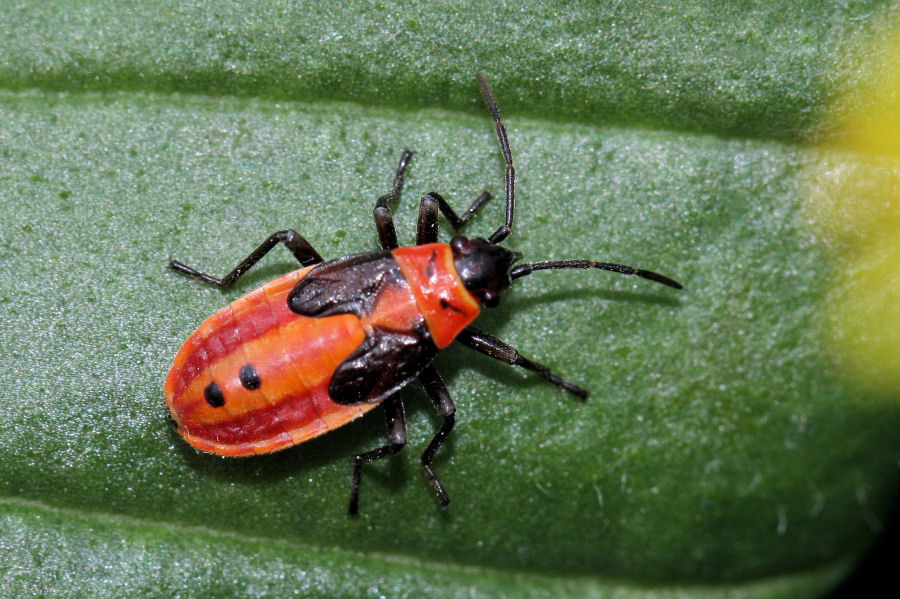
504, 231
526, 269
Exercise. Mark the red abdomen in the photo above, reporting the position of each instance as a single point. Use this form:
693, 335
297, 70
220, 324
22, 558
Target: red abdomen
271, 368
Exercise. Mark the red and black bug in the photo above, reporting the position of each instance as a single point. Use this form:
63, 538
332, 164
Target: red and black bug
323, 345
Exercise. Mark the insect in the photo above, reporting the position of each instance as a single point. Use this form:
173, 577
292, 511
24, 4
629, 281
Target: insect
322, 345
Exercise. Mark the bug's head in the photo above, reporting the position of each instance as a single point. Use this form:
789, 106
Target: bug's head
483, 267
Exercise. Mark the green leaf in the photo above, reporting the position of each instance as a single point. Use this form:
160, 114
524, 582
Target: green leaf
723, 451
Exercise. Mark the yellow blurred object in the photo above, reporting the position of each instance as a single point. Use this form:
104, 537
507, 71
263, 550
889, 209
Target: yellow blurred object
854, 205
874, 126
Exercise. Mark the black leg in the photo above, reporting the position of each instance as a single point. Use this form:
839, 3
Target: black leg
493, 347
437, 391
428, 209
396, 426
427, 230
384, 220
302, 250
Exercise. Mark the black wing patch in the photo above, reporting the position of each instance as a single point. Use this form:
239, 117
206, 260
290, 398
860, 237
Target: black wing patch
347, 285
386, 361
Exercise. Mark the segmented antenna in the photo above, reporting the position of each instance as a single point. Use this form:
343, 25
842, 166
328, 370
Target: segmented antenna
504, 231
526, 269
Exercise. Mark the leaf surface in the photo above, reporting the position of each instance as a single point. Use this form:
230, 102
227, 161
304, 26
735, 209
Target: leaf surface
722, 451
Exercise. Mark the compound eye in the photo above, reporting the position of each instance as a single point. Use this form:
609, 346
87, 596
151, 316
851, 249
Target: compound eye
490, 298
458, 244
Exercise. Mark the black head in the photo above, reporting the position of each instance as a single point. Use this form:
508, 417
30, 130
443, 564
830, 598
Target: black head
486, 268
483, 267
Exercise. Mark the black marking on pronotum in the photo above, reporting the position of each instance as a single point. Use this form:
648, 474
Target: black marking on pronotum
445, 304
249, 377
213, 395
429, 270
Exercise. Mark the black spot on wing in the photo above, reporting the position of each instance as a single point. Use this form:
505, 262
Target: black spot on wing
249, 377
214, 396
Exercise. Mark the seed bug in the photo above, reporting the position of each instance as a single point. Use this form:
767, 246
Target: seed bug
320, 346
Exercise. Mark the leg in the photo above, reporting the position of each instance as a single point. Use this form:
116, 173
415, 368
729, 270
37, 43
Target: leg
396, 425
384, 220
437, 391
493, 347
428, 209
302, 250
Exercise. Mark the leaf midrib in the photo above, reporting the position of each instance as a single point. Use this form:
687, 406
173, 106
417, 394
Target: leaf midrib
386, 110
